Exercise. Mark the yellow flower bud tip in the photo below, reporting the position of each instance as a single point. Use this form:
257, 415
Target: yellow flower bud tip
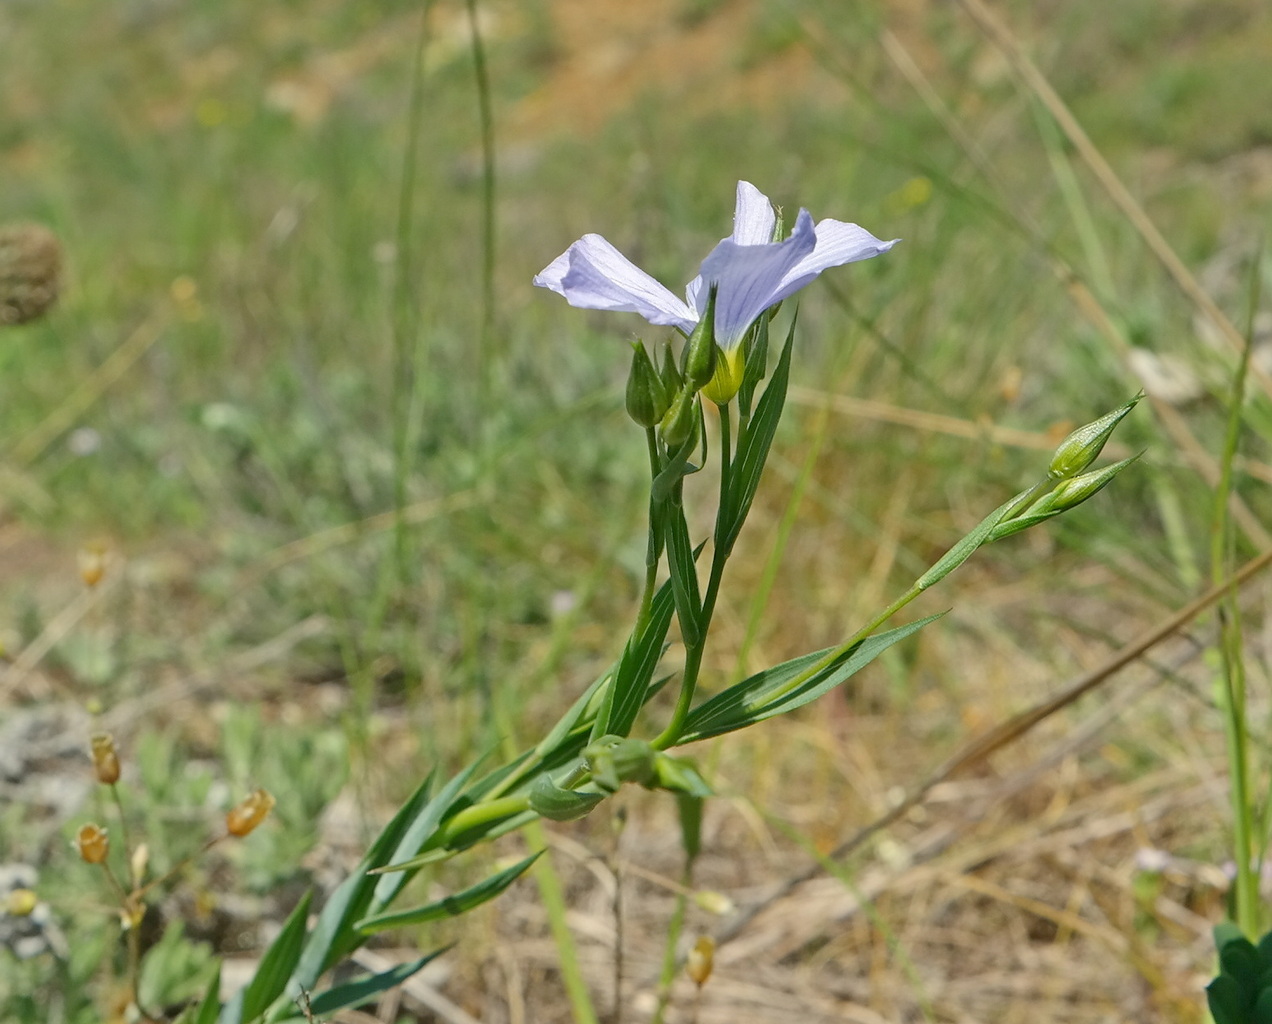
105, 758
250, 812
713, 902
20, 902
727, 379
93, 844
1083, 446
701, 960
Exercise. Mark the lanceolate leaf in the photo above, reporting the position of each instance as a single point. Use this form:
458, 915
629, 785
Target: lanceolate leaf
451, 906
753, 449
355, 993
333, 935
630, 688
684, 577
210, 1008
766, 694
274, 970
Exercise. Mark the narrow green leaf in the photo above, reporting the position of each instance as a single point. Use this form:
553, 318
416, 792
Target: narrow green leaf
764, 695
967, 546
756, 363
753, 449
366, 988
635, 668
276, 966
1227, 1005
678, 467
451, 906
210, 1008
333, 934
684, 578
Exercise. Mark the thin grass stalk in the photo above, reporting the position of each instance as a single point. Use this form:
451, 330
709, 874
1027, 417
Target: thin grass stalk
485, 347
1236, 733
406, 306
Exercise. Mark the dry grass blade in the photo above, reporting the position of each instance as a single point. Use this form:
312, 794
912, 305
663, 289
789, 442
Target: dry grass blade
1036, 81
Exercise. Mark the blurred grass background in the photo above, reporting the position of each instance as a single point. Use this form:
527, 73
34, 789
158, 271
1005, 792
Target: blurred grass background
273, 329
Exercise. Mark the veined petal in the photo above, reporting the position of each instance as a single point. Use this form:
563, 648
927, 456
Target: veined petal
592, 274
753, 216
750, 277
837, 243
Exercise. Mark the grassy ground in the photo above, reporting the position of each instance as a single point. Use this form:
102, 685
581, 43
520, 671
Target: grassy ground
275, 326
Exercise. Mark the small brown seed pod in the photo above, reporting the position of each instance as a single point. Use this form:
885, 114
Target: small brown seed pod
249, 813
30, 272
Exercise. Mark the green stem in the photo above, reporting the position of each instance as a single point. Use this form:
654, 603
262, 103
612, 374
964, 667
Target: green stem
693, 656
653, 553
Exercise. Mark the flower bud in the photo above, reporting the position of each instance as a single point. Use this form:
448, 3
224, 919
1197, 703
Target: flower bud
250, 812
701, 960
93, 844
1069, 493
671, 379
700, 351
681, 420
647, 398
105, 758
1083, 446
614, 760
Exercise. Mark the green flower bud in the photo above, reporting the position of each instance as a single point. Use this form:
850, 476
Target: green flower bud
647, 399
670, 372
614, 760
1070, 493
700, 351
681, 420
1084, 445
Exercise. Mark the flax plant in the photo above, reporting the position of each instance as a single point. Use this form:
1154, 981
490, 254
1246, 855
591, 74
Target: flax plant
722, 362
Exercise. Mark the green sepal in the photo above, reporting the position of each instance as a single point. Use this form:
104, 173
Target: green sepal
555, 803
679, 775
449, 906
615, 760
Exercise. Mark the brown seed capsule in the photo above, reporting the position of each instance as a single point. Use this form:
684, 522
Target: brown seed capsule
30, 272
701, 960
93, 844
250, 812
105, 758
92, 565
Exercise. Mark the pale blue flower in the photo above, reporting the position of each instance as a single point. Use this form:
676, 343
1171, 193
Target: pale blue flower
752, 271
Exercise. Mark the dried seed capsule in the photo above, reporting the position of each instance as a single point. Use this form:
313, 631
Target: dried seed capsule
93, 844
250, 812
30, 272
105, 758
701, 960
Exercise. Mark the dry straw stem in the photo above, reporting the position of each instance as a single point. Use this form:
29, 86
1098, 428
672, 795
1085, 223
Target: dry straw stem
1006, 41
1007, 732
119, 362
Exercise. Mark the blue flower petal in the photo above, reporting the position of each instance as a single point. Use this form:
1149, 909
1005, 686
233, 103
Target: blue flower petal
750, 276
592, 274
753, 217
837, 243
